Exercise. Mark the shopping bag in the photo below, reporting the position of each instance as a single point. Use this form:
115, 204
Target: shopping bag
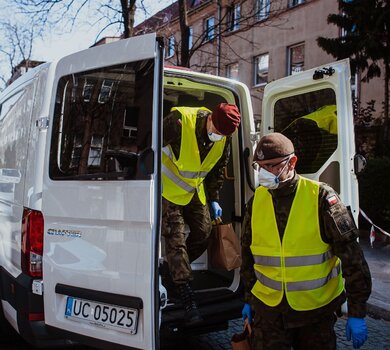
242, 341
224, 251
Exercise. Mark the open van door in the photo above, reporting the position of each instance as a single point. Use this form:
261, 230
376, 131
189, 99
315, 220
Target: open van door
314, 109
101, 196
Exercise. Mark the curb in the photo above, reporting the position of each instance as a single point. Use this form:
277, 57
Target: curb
378, 312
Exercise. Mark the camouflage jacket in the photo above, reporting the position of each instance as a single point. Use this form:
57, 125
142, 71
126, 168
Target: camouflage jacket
337, 228
172, 136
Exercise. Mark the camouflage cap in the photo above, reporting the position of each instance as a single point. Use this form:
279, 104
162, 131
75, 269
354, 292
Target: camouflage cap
273, 145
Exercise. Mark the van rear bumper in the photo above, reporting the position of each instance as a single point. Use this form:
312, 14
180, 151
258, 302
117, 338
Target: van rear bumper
89, 341
29, 309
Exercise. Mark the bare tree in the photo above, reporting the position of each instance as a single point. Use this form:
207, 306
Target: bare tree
225, 27
106, 14
16, 46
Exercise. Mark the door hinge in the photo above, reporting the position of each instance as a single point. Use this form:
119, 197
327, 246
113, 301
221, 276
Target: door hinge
37, 287
42, 123
254, 136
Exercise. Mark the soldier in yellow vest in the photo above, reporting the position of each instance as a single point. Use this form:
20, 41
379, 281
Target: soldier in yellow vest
298, 243
196, 148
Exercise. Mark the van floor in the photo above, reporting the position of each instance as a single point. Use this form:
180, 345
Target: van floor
205, 279
215, 301
208, 285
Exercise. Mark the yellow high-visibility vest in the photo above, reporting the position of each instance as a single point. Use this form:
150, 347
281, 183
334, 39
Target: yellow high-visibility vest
302, 266
184, 176
325, 118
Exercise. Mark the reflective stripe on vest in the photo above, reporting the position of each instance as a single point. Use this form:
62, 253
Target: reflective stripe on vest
184, 176
302, 266
293, 260
188, 174
295, 286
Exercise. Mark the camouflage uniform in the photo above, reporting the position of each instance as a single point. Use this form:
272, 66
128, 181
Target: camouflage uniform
277, 326
179, 251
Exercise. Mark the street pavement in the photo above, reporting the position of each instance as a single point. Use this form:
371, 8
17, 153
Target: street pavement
378, 259
378, 319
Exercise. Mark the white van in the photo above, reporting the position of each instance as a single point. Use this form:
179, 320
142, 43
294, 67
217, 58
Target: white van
80, 188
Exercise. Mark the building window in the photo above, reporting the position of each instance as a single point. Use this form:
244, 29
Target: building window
190, 37
232, 71
171, 47
209, 29
292, 3
88, 90
233, 18
261, 69
262, 9
296, 59
105, 91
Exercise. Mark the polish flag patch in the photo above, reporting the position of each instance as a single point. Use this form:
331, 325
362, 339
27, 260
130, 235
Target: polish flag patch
332, 200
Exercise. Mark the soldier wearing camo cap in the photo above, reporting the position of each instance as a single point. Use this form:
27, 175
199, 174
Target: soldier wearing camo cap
296, 236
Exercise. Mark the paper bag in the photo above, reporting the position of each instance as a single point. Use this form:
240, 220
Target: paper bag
242, 341
224, 251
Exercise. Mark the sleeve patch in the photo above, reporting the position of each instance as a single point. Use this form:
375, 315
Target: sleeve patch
344, 223
332, 200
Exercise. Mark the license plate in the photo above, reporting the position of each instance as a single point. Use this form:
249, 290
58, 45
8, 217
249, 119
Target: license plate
103, 315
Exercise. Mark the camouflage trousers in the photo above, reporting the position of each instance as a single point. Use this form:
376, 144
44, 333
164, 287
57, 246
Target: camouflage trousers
273, 335
179, 251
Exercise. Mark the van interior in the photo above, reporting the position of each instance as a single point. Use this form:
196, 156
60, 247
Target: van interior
211, 284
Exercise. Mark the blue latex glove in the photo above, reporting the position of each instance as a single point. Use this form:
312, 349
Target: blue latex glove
247, 313
217, 210
357, 330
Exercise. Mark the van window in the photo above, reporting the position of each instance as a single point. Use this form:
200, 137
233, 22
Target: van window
7, 105
310, 121
103, 123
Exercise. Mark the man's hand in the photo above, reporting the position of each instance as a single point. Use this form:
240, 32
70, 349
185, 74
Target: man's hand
217, 210
357, 330
247, 313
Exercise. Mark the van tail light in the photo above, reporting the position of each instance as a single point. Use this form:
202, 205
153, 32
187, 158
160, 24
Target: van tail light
32, 242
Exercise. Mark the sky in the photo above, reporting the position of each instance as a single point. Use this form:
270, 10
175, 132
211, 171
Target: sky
56, 45
59, 43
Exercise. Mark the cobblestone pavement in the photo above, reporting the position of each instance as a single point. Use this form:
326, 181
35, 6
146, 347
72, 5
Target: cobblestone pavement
378, 339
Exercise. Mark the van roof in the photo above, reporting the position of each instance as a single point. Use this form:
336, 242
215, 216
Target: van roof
31, 73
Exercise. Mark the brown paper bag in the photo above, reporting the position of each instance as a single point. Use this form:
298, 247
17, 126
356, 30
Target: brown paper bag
224, 251
242, 341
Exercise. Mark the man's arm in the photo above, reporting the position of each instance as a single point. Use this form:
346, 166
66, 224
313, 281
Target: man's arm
172, 128
216, 176
338, 228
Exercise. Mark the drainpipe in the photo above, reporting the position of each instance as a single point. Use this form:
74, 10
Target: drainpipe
219, 37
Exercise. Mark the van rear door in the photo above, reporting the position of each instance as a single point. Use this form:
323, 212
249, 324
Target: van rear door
314, 109
101, 195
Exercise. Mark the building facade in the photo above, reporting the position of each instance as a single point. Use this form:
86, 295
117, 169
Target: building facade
254, 41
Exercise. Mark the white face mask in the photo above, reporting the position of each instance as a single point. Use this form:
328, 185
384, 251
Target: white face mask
213, 137
268, 179
271, 181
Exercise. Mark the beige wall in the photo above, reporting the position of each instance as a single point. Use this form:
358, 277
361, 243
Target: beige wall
285, 27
